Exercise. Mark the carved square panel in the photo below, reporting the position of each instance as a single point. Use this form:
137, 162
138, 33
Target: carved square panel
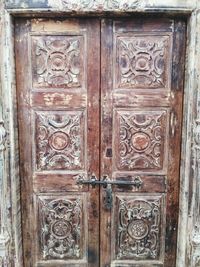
59, 138
143, 61
57, 61
61, 227
140, 226
139, 139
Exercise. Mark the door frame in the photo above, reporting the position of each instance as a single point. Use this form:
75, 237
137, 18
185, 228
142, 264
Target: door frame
188, 244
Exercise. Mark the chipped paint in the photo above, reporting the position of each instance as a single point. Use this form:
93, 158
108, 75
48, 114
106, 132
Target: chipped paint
47, 26
56, 98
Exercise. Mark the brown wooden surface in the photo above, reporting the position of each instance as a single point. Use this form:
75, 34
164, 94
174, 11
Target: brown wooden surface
142, 90
141, 112
58, 70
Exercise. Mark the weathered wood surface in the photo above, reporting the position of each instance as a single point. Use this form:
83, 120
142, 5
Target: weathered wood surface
60, 58
126, 131
189, 239
144, 140
10, 247
193, 223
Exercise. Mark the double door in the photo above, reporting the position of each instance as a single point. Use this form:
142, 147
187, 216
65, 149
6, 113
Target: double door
99, 113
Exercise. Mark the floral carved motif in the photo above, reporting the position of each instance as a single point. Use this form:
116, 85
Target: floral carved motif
143, 62
138, 230
61, 228
57, 61
59, 141
98, 5
79, 5
141, 138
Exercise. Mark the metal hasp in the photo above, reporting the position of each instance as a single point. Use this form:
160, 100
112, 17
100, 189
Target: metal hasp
107, 183
108, 199
137, 182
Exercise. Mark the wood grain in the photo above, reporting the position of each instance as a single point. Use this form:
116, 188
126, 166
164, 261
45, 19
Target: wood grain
126, 128
58, 74
142, 92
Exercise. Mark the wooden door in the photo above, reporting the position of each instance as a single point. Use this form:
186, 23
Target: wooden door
124, 131
57, 69
142, 92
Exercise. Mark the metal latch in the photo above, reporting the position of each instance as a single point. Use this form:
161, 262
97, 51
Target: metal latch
107, 184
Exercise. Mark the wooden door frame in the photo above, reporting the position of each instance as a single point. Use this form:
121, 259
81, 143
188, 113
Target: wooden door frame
188, 248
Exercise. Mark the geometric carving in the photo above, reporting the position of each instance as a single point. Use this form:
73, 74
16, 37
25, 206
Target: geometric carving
57, 61
60, 228
141, 138
59, 140
138, 227
143, 61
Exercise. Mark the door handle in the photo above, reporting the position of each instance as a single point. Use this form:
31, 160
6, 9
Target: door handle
136, 181
173, 123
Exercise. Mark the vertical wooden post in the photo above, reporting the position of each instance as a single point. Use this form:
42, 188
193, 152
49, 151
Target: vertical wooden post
10, 220
4, 234
193, 227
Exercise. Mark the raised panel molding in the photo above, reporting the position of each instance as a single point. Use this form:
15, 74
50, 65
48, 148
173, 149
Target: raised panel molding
59, 140
140, 139
57, 61
61, 227
139, 233
143, 61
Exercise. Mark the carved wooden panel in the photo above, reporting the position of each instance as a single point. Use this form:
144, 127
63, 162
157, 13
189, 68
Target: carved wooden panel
61, 227
57, 61
140, 139
59, 138
139, 143
143, 61
139, 227
58, 82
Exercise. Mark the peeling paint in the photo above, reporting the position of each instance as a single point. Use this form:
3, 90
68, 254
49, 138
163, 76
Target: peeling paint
56, 98
45, 25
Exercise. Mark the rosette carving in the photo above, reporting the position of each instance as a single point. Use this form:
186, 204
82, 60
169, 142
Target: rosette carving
61, 228
143, 62
59, 143
141, 140
139, 228
57, 61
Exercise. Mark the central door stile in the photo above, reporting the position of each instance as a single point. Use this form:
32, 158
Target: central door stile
106, 136
93, 141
